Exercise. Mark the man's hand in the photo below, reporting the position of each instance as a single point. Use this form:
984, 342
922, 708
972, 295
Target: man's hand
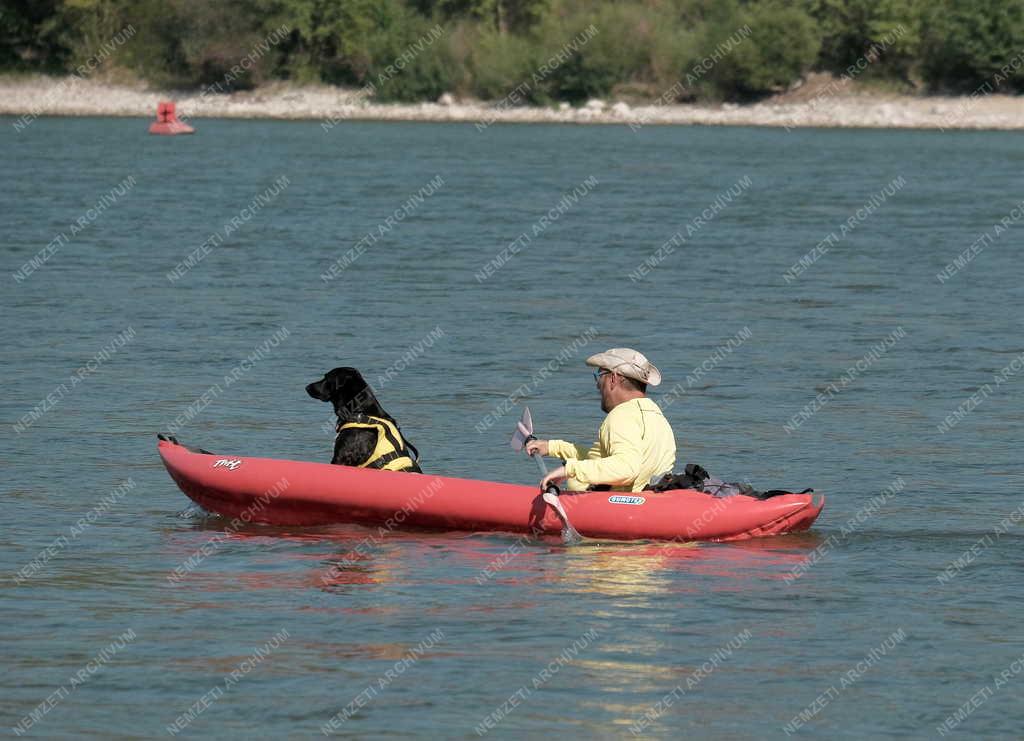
537, 446
555, 475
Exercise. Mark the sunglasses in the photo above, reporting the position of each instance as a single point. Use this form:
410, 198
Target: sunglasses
600, 372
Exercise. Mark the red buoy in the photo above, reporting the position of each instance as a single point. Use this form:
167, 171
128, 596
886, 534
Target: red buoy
167, 122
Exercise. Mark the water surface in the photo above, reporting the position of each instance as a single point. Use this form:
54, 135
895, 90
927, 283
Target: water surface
603, 640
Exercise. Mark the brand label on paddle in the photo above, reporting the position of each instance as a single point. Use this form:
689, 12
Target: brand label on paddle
228, 463
619, 499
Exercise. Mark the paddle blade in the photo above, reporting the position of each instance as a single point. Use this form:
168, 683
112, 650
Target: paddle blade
570, 536
524, 430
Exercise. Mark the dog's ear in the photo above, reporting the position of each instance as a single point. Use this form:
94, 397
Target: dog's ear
336, 382
366, 402
355, 396
338, 386
348, 391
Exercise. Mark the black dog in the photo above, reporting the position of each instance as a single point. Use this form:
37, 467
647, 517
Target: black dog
362, 423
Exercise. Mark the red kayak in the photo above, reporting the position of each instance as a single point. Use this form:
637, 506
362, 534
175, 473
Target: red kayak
282, 492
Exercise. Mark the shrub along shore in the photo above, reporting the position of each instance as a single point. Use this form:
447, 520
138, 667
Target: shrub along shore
567, 50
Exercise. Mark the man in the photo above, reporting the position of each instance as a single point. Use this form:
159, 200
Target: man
635, 442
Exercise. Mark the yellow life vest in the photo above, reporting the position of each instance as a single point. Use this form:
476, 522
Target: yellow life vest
392, 452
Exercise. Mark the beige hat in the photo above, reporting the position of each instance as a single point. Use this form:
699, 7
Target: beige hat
627, 362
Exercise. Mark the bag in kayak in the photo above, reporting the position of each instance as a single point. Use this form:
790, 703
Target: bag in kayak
695, 476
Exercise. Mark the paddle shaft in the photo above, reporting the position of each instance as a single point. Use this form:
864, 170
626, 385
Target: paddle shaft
569, 533
540, 462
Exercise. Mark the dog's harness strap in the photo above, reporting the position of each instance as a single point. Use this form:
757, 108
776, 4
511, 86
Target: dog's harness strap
396, 438
391, 451
393, 436
387, 458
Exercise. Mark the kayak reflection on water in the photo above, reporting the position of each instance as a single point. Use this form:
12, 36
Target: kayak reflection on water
347, 557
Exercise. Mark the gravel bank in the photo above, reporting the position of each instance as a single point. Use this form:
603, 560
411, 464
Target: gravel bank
822, 102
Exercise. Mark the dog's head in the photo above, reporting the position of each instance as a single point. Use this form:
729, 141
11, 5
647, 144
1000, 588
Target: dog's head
350, 394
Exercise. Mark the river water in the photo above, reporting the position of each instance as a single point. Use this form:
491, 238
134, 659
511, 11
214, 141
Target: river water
798, 291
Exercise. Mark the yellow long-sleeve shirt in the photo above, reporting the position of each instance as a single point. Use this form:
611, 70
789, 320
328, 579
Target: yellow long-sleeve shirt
634, 444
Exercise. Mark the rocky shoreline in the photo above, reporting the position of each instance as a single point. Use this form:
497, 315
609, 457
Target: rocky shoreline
821, 102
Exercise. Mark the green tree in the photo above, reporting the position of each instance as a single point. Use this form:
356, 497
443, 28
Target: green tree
782, 46
330, 40
628, 45
30, 35
216, 36
851, 29
499, 64
409, 60
965, 45
501, 16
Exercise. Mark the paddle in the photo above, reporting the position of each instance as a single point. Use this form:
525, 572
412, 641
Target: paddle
523, 435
